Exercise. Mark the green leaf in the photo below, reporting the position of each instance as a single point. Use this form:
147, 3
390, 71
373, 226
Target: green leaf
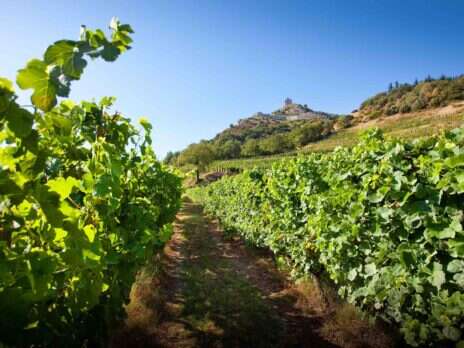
455, 161
20, 121
438, 277
66, 54
89, 254
450, 231
370, 269
90, 232
145, 124
376, 197
459, 279
455, 266
60, 234
6, 85
456, 247
385, 213
407, 258
6, 93
452, 333
110, 52
49, 202
37, 77
352, 274
63, 186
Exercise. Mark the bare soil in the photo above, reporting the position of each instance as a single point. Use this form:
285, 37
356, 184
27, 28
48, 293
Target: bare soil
218, 292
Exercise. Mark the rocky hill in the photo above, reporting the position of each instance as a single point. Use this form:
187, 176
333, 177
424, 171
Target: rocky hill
261, 125
403, 98
295, 126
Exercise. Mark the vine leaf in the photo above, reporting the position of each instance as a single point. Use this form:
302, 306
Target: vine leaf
438, 276
90, 231
455, 266
19, 121
36, 76
6, 85
66, 54
6, 92
63, 186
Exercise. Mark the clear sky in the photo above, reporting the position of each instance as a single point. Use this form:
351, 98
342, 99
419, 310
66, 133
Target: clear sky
197, 66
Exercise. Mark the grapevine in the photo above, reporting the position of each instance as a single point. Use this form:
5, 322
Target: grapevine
384, 220
83, 200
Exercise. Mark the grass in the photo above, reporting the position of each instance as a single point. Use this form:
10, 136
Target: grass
217, 303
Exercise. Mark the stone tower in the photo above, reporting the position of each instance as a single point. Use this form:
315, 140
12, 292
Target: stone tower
288, 101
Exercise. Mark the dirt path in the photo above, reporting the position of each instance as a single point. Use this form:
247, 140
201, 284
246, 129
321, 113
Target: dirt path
218, 293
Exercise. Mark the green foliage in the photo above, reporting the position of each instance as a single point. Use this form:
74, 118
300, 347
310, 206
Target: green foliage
257, 136
277, 143
310, 132
83, 201
200, 155
171, 157
64, 61
406, 98
230, 149
384, 220
251, 148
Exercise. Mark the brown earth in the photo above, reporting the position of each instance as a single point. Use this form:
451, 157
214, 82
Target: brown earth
214, 291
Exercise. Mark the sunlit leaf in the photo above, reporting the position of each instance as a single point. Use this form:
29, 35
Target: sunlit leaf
36, 76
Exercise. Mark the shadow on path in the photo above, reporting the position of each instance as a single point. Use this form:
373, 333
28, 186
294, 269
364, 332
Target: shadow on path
219, 293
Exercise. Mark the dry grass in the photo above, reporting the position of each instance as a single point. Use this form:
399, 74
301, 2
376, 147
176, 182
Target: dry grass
348, 327
143, 311
407, 126
311, 298
343, 324
144, 300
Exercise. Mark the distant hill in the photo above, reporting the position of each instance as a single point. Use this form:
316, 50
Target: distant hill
261, 125
285, 129
405, 97
294, 127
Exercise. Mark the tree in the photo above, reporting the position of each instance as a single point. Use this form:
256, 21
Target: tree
308, 133
171, 157
200, 155
250, 148
229, 149
275, 144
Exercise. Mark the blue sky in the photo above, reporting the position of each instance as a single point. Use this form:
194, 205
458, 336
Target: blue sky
197, 66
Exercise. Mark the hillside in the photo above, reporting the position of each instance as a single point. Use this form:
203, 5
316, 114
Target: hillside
406, 126
296, 128
404, 98
260, 125
286, 129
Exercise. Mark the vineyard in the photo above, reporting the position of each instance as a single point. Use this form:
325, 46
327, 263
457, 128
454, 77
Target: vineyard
83, 205
374, 214
383, 220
